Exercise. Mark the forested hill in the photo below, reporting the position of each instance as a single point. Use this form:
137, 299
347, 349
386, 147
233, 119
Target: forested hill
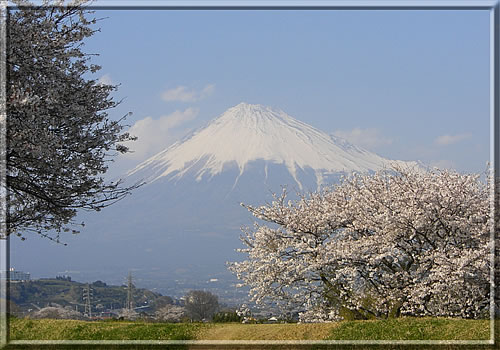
64, 292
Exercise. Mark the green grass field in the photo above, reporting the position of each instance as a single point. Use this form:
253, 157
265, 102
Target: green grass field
45, 329
392, 329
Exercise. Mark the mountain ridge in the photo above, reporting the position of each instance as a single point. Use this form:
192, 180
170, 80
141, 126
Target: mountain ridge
246, 133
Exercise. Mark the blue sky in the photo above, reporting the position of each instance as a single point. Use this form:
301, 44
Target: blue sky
411, 85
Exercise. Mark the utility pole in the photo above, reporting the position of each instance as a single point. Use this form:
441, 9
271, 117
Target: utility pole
87, 296
130, 286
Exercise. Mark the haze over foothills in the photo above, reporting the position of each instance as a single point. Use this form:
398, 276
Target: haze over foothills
406, 85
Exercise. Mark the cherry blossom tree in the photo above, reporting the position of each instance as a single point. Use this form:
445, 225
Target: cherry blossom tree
170, 313
399, 242
57, 312
59, 137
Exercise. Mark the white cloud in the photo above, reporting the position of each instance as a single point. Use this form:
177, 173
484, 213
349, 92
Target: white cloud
184, 94
154, 135
207, 90
368, 138
445, 140
105, 80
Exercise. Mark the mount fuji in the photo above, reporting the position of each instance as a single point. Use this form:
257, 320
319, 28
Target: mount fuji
178, 230
247, 134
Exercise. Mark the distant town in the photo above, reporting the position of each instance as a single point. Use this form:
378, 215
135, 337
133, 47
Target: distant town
14, 276
62, 297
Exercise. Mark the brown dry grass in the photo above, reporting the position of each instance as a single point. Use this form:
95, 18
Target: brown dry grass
290, 331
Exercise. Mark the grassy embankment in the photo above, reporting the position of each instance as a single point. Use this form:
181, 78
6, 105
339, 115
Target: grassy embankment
393, 329
45, 329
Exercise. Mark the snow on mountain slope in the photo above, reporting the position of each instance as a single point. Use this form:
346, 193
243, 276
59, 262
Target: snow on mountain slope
247, 133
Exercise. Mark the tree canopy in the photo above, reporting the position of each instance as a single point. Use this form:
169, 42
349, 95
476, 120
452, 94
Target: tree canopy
60, 138
399, 242
201, 305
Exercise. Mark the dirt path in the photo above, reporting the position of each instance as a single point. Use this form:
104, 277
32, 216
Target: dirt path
236, 331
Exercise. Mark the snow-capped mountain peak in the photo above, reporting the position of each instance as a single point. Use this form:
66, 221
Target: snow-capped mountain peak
246, 133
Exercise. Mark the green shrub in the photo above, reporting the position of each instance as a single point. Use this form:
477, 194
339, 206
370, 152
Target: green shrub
227, 316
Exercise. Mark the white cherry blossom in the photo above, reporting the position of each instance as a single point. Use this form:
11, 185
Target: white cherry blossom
398, 242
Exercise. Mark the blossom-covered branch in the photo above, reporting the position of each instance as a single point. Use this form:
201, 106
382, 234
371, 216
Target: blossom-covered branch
59, 136
398, 242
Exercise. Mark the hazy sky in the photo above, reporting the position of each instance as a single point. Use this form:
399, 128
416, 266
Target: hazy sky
410, 85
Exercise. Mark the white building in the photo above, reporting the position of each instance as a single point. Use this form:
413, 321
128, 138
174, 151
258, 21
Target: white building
14, 276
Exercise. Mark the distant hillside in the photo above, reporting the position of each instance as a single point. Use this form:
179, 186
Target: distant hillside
31, 295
